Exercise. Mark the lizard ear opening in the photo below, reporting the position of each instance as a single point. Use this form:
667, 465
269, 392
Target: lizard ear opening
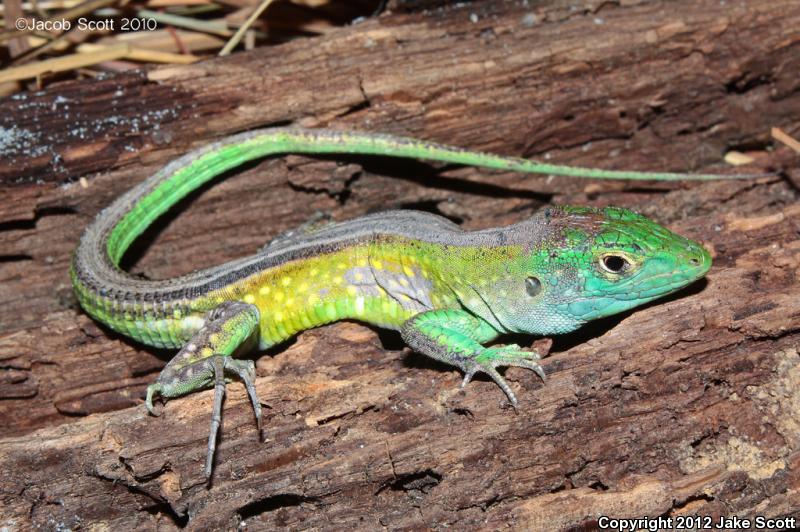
533, 286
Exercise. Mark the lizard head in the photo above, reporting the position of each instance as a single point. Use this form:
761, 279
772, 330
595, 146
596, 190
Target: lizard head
592, 263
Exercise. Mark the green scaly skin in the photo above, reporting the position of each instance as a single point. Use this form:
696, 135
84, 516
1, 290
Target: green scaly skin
446, 290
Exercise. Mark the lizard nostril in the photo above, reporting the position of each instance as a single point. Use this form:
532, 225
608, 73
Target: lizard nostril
694, 261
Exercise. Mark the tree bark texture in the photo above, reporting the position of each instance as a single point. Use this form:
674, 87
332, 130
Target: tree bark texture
688, 406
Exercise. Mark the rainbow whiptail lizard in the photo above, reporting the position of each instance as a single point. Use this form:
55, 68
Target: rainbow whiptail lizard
448, 291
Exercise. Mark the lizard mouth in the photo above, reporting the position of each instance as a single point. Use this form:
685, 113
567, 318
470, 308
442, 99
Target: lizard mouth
659, 285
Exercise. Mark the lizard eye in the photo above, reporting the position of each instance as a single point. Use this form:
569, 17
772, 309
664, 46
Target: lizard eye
533, 286
614, 263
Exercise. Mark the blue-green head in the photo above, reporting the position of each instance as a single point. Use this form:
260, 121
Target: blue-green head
586, 263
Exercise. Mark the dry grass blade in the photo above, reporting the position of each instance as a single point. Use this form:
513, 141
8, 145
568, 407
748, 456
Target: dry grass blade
92, 54
213, 27
230, 45
167, 40
13, 11
136, 53
781, 136
62, 64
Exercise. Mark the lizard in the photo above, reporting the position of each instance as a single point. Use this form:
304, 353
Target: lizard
448, 291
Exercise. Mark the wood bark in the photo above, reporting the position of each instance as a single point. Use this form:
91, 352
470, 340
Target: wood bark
688, 406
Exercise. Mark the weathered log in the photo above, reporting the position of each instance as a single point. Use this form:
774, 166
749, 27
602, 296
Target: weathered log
688, 406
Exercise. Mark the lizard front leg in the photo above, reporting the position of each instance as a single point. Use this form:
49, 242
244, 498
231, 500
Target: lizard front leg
205, 359
455, 337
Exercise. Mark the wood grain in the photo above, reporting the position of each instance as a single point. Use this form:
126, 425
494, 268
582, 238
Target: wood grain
688, 406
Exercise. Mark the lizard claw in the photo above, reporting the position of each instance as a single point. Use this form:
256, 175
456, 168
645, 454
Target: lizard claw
510, 355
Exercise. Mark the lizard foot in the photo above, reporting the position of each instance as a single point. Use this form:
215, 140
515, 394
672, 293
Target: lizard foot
200, 374
204, 361
493, 357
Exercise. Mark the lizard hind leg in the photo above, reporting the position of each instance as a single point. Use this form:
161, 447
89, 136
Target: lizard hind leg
206, 358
